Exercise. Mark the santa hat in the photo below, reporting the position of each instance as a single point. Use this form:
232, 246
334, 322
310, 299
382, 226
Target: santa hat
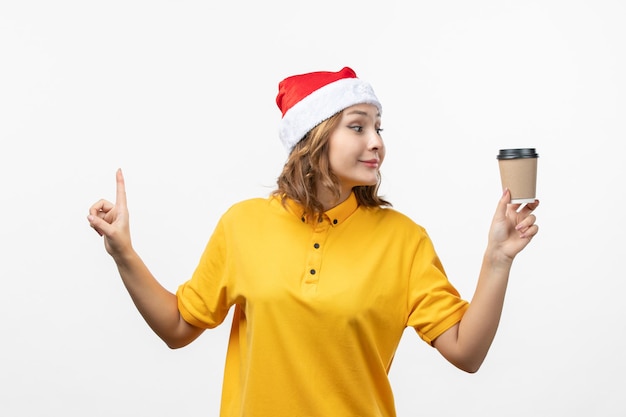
306, 100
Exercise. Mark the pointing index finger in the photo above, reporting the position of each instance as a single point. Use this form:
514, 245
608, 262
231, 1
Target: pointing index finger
120, 196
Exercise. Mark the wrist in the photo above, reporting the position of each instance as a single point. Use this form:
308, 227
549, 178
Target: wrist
124, 258
497, 259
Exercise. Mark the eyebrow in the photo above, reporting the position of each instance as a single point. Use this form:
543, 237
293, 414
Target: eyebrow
361, 112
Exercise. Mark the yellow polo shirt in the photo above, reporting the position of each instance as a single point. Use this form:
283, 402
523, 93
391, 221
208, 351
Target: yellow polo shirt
320, 307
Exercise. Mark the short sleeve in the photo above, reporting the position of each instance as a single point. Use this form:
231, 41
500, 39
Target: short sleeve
434, 303
203, 300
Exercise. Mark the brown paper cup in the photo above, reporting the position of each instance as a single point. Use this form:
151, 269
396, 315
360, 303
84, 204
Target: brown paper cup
518, 173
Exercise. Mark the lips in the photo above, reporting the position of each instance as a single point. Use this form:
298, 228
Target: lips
373, 163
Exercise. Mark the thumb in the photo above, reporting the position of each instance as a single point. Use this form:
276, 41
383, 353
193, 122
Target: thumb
99, 225
502, 205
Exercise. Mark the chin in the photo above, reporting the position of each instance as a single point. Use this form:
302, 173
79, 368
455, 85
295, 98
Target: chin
367, 183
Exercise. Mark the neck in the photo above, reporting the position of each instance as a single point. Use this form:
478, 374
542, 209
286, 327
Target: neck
329, 200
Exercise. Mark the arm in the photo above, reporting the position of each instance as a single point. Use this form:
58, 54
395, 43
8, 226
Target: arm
158, 306
466, 344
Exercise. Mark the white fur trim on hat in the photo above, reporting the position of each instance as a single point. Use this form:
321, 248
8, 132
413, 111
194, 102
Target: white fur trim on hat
322, 104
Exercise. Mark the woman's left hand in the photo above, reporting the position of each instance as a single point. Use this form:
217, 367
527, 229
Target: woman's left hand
512, 227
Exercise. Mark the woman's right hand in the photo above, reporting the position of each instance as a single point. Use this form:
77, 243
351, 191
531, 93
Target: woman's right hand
158, 306
111, 220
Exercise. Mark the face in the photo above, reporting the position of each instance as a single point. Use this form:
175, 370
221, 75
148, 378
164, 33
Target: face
356, 148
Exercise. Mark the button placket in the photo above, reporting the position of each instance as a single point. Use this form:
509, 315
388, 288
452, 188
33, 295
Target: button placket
314, 258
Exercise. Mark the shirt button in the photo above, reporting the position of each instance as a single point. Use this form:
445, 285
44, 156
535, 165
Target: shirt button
312, 271
316, 246
335, 221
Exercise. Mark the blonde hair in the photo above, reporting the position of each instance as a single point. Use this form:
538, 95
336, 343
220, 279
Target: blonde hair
308, 166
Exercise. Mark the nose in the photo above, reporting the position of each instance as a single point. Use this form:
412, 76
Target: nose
375, 141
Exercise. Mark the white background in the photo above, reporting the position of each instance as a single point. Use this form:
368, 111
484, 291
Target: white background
180, 95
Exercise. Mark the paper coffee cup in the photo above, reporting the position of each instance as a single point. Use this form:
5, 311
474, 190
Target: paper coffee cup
518, 173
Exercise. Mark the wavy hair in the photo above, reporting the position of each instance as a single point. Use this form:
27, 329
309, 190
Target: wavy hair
308, 166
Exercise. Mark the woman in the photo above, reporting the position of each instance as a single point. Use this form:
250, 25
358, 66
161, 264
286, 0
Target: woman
323, 275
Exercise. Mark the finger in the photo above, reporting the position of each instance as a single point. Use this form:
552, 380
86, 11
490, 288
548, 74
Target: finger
525, 224
100, 208
503, 204
532, 206
89, 219
530, 232
120, 196
99, 225
527, 211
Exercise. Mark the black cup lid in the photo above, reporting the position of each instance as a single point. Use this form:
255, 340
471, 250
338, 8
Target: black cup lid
517, 153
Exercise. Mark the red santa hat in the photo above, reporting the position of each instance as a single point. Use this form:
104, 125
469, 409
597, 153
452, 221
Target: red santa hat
306, 100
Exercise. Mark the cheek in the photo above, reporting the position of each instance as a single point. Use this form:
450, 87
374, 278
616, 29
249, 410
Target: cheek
340, 153
335, 161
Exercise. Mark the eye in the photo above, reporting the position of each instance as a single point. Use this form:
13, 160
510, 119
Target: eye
379, 130
356, 128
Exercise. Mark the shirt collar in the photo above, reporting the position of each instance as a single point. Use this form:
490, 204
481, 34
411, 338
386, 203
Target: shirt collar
335, 216
342, 211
